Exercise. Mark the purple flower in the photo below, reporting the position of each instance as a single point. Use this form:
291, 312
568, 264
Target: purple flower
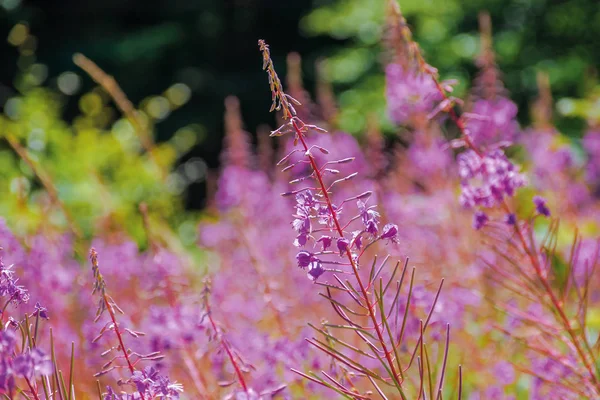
151, 384
540, 206
479, 220
505, 373
7, 342
8, 286
33, 363
486, 180
304, 258
390, 231
357, 239
510, 219
324, 215
7, 379
305, 199
369, 217
301, 222
325, 241
409, 93
372, 228
495, 121
342, 245
144, 379
40, 311
315, 270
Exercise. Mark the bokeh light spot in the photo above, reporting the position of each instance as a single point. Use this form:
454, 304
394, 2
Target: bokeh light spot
90, 104
68, 83
178, 94
158, 107
18, 34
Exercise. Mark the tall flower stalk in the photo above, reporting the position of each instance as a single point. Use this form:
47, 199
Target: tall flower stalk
148, 383
489, 180
352, 238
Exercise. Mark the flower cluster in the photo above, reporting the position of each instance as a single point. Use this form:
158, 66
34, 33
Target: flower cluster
16, 294
150, 385
486, 180
409, 93
236, 320
493, 121
28, 365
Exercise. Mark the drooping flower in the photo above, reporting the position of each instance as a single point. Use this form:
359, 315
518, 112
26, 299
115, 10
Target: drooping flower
315, 270
304, 258
40, 311
325, 241
540, 206
479, 220
390, 231
342, 245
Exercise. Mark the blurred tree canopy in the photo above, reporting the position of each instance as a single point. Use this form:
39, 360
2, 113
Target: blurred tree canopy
558, 37
177, 60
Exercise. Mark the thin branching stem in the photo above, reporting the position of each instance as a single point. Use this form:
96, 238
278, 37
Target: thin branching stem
365, 295
226, 347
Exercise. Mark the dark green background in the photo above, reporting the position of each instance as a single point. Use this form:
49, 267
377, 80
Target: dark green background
211, 45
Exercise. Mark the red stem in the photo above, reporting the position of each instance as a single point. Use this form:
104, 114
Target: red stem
338, 227
238, 371
534, 261
33, 390
119, 336
555, 302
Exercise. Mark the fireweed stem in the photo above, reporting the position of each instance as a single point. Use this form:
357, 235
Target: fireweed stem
532, 257
33, 390
370, 306
118, 333
256, 265
555, 302
225, 345
119, 336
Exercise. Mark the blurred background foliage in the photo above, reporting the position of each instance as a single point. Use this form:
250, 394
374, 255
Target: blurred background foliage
529, 36
178, 60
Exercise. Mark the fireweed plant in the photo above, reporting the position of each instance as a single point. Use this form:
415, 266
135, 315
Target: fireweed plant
232, 322
148, 382
568, 358
340, 246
